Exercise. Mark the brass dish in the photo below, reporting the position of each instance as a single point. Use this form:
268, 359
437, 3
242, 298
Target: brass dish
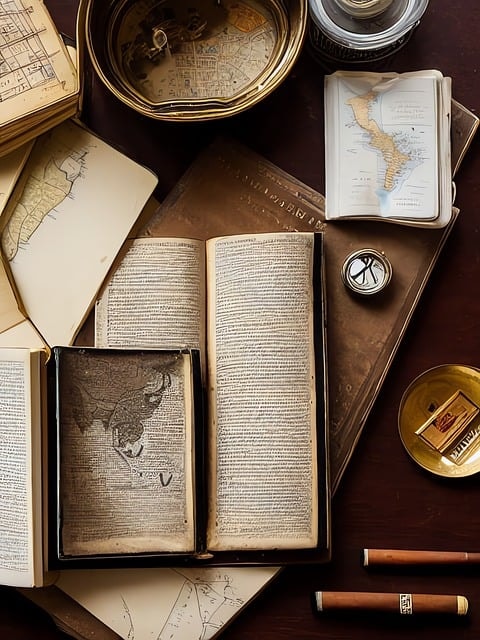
182, 60
425, 395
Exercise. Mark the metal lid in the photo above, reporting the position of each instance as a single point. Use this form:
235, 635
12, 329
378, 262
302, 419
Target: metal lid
193, 60
364, 8
366, 271
348, 23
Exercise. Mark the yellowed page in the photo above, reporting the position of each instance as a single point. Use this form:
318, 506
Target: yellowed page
10, 167
155, 297
10, 314
22, 334
262, 466
21, 540
71, 211
42, 70
166, 604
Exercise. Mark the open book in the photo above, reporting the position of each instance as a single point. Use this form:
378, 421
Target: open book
387, 147
127, 452
40, 82
22, 480
263, 365
73, 201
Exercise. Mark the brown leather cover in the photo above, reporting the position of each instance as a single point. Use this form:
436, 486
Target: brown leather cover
230, 189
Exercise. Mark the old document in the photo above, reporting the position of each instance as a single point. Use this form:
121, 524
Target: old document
126, 452
20, 479
156, 296
261, 371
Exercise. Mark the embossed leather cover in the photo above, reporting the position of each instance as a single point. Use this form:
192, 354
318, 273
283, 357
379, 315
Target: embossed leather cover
230, 189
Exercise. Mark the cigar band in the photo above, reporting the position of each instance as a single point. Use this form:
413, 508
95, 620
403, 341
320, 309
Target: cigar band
405, 603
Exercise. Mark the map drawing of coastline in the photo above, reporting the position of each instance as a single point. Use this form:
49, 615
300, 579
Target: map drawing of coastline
74, 203
201, 605
51, 173
164, 603
388, 131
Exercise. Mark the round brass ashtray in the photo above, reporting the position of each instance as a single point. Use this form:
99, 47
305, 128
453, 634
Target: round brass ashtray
439, 420
193, 60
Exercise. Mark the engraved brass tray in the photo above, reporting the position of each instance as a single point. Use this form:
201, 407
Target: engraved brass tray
424, 396
193, 59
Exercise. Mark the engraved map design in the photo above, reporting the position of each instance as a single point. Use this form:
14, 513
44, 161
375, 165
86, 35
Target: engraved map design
124, 443
122, 409
24, 61
396, 127
203, 603
172, 51
50, 176
119, 394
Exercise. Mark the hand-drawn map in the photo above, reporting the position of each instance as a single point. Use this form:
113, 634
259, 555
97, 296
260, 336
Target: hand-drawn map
35, 69
169, 50
24, 61
388, 146
125, 442
164, 603
52, 171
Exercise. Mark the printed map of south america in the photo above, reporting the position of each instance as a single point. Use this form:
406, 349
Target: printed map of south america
388, 148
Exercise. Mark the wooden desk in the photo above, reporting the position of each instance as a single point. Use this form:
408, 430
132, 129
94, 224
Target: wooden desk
384, 500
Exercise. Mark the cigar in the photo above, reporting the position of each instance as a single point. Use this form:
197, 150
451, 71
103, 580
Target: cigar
377, 557
402, 603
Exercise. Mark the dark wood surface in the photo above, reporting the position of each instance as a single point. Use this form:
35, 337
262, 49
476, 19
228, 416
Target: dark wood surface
384, 499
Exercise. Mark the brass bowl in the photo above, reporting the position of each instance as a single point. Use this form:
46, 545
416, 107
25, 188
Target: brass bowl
170, 61
431, 390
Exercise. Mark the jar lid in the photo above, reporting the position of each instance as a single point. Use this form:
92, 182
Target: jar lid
343, 23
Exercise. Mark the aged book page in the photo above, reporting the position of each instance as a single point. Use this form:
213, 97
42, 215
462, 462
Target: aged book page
21, 480
126, 452
22, 334
74, 205
11, 166
164, 603
10, 314
40, 72
261, 360
155, 297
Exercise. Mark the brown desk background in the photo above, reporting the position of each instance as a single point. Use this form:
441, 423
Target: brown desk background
384, 500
